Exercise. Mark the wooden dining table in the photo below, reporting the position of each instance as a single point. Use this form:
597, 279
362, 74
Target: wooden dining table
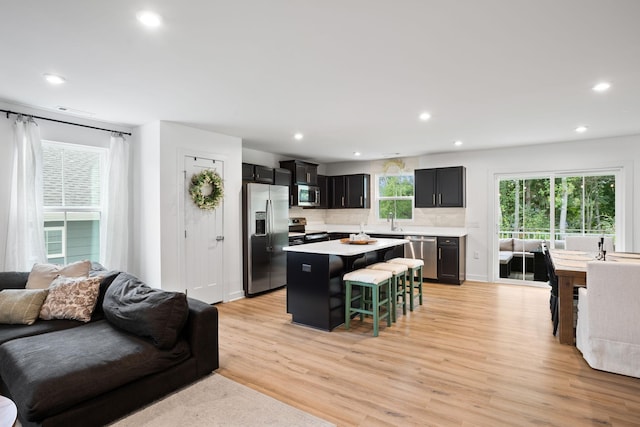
571, 270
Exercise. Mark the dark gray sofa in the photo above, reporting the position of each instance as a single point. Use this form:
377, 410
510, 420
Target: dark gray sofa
69, 373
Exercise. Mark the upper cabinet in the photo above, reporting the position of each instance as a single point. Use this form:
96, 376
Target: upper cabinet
440, 187
257, 173
301, 172
282, 176
323, 183
350, 191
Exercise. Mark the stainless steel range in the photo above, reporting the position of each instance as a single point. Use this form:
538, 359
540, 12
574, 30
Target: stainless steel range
299, 235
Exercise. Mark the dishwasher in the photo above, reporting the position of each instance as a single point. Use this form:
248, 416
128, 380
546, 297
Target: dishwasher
426, 249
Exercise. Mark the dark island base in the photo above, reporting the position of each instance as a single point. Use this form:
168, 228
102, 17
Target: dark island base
315, 290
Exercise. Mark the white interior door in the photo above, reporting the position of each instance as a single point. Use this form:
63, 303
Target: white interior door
203, 238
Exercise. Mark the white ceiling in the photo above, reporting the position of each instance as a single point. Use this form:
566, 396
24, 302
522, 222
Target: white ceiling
352, 75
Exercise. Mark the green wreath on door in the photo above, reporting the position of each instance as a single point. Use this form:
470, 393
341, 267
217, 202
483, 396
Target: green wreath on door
206, 189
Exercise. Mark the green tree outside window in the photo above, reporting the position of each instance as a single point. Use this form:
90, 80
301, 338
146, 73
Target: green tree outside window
395, 196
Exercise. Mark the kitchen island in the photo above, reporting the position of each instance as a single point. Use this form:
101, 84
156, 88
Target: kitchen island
315, 291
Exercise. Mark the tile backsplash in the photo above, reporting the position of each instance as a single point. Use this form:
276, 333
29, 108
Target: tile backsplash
434, 217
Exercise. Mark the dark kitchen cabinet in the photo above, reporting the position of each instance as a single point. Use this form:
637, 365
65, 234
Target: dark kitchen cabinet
451, 260
257, 173
440, 187
263, 174
301, 172
350, 191
282, 176
323, 183
247, 172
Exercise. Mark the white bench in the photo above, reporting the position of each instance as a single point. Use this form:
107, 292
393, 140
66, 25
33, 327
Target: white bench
505, 263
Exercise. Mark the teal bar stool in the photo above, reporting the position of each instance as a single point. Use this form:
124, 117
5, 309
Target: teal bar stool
398, 287
414, 268
374, 295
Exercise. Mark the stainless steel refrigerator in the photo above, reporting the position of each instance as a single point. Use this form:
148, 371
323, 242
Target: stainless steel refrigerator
266, 232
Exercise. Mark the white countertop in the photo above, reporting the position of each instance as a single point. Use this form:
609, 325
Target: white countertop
335, 247
405, 231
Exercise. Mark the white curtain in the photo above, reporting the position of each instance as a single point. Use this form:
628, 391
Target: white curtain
25, 235
114, 239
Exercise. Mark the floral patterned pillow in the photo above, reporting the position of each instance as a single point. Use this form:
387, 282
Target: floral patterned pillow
71, 298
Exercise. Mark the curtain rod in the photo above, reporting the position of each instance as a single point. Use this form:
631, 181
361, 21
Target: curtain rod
62, 121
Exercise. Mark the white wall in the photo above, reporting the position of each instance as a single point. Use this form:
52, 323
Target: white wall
174, 141
145, 158
443, 217
51, 131
483, 165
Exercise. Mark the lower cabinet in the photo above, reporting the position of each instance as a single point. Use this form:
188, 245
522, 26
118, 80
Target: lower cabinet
451, 260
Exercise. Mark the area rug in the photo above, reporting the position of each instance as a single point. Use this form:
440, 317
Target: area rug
218, 401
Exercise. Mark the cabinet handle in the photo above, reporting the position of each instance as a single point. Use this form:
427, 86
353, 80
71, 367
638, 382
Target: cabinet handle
361, 205
439, 253
343, 201
291, 202
440, 198
308, 177
433, 197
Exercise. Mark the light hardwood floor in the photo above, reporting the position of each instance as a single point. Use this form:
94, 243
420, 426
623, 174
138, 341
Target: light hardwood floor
480, 354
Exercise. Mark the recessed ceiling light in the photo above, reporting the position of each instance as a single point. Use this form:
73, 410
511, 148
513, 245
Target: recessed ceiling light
602, 87
425, 116
457, 143
298, 136
149, 19
357, 153
581, 129
54, 79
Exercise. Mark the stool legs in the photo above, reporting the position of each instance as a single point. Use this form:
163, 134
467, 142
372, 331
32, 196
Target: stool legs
413, 285
403, 294
377, 301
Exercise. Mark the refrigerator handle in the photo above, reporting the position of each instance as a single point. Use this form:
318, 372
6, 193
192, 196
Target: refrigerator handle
267, 225
270, 225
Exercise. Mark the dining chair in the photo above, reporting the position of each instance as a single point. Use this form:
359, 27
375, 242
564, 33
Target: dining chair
553, 282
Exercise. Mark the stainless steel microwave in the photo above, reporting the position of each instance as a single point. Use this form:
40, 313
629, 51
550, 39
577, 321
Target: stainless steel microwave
306, 195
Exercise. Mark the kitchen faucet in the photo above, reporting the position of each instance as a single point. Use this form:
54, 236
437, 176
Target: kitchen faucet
391, 217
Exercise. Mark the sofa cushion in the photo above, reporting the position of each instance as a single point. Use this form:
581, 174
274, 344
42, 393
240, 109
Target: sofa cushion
71, 298
13, 279
21, 306
42, 275
506, 244
105, 282
526, 245
152, 313
50, 373
12, 332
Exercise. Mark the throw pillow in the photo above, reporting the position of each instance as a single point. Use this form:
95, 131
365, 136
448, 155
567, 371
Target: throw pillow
71, 298
135, 307
42, 275
21, 306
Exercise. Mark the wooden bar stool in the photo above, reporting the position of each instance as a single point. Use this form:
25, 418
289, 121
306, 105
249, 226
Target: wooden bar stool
414, 266
373, 284
398, 287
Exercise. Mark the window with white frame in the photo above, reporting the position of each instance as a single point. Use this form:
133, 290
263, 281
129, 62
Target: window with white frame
394, 196
72, 184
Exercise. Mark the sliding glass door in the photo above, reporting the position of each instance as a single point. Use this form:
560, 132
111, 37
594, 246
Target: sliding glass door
536, 210
585, 205
525, 212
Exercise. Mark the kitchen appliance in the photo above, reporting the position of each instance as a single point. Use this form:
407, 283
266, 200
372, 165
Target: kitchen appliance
265, 224
426, 249
296, 230
298, 234
306, 195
